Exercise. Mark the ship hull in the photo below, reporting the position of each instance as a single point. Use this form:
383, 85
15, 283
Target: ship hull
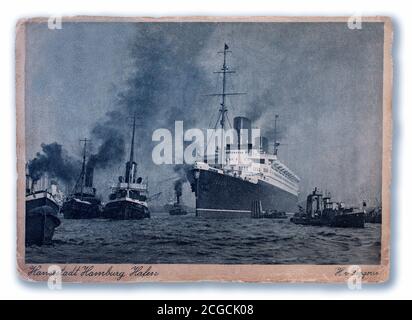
177, 212
125, 210
41, 219
40, 228
77, 209
354, 220
39, 200
224, 196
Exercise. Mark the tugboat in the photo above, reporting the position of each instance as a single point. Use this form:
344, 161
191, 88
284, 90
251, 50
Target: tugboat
128, 198
83, 203
177, 209
41, 213
320, 211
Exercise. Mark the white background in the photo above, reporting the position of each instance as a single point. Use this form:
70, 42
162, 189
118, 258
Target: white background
398, 287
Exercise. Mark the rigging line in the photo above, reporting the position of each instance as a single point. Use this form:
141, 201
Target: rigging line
215, 89
217, 121
208, 138
228, 120
211, 119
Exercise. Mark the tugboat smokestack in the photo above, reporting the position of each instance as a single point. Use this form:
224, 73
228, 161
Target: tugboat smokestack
89, 175
178, 190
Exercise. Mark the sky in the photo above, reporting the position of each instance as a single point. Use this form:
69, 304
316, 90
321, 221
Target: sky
324, 81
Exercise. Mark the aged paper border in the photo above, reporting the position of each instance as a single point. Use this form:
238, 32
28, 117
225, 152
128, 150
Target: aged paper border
113, 273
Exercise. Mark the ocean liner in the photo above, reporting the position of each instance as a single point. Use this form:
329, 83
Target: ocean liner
245, 175
128, 198
83, 203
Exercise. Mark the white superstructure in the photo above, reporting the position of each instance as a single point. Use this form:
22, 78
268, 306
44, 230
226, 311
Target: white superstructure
254, 165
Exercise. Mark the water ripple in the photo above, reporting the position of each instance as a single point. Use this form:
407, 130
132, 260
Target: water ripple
187, 239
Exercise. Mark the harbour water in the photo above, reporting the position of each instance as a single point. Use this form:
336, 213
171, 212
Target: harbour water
189, 239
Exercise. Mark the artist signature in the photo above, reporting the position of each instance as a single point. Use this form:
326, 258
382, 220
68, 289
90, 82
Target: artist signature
345, 272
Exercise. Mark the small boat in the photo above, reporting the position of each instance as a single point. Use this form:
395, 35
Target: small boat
274, 214
177, 208
259, 213
128, 198
82, 206
83, 202
320, 211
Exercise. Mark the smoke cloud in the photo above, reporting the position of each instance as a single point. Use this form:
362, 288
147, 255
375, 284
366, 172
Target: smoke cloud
181, 170
54, 161
111, 149
178, 188
163, 83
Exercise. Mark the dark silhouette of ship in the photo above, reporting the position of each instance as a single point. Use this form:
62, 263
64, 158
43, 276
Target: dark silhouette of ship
246, 173
42, 207
372, 214
259, 213
321, 211
177, 208
128, 198
83, 203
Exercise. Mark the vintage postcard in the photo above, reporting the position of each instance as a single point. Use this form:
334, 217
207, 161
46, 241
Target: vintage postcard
252, 149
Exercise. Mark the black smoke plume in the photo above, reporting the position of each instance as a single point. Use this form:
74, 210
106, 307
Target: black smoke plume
182, 171
54, 161
111, 148
163, 81
178, 188
140, 95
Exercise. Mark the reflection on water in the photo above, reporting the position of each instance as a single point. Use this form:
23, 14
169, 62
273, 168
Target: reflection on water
189, 239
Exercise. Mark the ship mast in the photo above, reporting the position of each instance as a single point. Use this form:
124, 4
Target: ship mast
223, 109
224, 70
131, 165
132, 145
83, 174
276, 143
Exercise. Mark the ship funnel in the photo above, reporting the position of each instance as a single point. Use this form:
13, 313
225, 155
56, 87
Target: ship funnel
89, 175
263, 144
131, 170
178, 190
28, 180
243, 127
